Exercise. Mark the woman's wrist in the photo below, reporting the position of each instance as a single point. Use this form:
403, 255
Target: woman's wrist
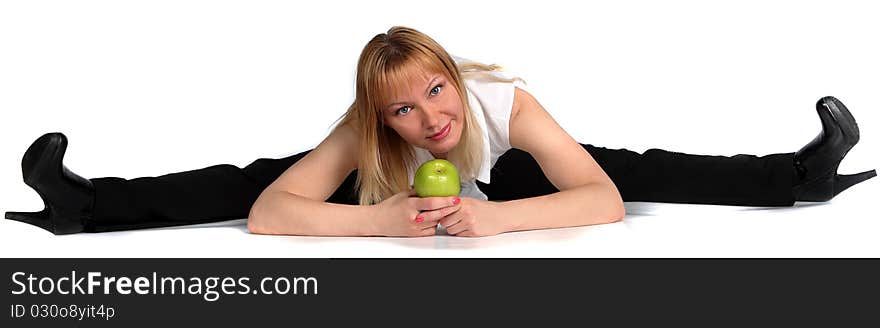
498, 214
509, 221
369, 220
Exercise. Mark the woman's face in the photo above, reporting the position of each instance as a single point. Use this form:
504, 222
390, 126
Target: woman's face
427, 113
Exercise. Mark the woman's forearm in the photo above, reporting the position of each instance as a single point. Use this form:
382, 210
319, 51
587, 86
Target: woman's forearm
283, 213
589, 204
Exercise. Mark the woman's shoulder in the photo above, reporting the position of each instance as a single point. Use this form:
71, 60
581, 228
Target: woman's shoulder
521, 99
347, 129
492, 96
343, 140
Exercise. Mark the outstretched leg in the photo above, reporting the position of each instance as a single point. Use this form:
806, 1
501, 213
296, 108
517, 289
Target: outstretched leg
215, 193
663, 176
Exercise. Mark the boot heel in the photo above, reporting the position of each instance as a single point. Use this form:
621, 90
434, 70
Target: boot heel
842, 182
40, 219
68, 197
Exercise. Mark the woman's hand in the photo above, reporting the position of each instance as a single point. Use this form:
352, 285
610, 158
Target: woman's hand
407, 215
474, 218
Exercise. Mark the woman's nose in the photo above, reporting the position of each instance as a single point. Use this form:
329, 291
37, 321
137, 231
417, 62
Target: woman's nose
431, 117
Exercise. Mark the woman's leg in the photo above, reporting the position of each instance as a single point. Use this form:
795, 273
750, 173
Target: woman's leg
662, 176
215, 193
810, 174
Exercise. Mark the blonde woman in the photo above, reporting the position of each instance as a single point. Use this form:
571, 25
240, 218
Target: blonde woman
414, 102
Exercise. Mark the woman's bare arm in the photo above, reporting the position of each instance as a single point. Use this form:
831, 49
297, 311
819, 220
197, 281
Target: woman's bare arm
294, 204
587, 195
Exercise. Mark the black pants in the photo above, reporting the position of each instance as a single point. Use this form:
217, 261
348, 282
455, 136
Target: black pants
226, 192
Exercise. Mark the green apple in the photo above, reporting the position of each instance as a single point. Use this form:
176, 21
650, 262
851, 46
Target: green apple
437, 178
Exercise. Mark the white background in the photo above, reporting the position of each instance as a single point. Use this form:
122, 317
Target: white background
149, 88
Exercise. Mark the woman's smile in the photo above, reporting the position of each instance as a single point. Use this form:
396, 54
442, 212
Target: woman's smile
443, 132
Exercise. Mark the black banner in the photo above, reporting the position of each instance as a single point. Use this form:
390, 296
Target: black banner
146, 292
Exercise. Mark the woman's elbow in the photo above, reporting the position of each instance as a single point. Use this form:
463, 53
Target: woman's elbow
618, 212
254, 227
256, 222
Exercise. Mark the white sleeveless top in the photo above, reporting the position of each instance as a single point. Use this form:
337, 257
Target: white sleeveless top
491, 103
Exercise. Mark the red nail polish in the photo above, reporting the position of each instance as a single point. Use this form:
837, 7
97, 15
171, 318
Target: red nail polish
419, 219
456, 201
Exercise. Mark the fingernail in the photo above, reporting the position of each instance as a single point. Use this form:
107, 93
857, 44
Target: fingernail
419, 219
456, 201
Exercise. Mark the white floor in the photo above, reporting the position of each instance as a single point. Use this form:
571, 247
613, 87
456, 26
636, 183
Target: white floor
846, 227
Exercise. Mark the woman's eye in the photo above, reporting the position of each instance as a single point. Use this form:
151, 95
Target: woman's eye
400, 111
406, 109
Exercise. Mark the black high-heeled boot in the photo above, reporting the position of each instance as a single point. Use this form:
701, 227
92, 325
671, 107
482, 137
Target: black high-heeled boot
817, 162
68, 197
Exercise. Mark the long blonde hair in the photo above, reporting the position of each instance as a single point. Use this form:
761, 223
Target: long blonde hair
384, 158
